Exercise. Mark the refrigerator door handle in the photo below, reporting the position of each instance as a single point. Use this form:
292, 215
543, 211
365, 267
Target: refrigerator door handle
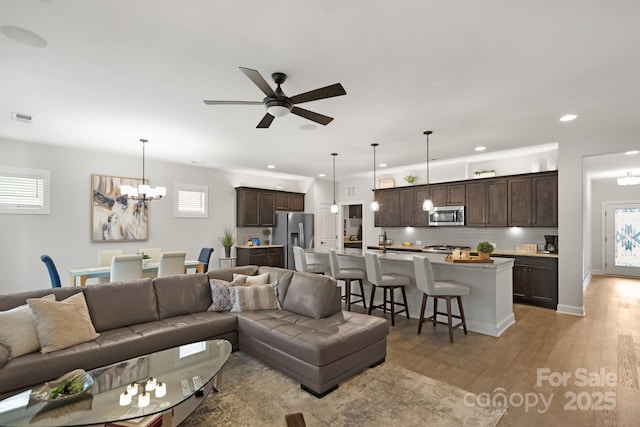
301, 230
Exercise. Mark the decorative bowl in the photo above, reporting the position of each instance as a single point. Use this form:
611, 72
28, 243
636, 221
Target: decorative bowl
406, 243
43, 394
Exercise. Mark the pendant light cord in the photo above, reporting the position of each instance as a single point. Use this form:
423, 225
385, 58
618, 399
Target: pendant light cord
144, 142
334, 177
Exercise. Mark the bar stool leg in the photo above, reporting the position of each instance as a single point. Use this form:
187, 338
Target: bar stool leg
364, 303
421, 318
373, 293
347, 293
449, 320
404, 297
393, 306
464, 322
435, 310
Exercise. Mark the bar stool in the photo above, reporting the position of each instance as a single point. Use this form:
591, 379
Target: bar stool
347, 275
445, 289
389, 282
300, 261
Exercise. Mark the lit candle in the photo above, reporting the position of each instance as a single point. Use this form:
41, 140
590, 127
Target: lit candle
144, 399
125, 399
151, 384
132, 389
161, 389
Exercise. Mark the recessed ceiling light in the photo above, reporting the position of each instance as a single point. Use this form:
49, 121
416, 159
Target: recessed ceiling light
271, 166
23, 36
480, 148
628, 153
383, 165
321, 175
568, 118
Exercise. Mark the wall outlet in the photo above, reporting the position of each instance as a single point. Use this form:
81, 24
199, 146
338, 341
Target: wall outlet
418, 242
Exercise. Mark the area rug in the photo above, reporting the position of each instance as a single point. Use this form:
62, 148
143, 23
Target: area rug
253, 394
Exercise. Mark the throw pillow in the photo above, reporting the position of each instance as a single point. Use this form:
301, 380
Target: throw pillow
4, 355
260, 279
251, 298
62, 324
220, 293
17, 330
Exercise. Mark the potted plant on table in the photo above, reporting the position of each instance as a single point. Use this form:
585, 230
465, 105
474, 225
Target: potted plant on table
227, 240
484, 250
266, 232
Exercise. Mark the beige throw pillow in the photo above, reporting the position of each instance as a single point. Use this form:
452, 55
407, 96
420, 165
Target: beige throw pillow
251, 298
17, 330
62, 324
260, 279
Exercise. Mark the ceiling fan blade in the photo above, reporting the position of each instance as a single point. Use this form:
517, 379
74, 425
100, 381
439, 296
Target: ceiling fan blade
259, 81
266, 121
209, 102
314, 117
322, 93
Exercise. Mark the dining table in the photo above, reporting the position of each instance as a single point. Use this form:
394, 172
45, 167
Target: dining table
79, 276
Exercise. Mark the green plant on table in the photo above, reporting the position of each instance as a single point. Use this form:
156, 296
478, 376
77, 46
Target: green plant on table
266, 232
485, 247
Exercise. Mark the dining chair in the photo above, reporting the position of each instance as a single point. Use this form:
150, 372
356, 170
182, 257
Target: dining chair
347, 275
171, 263
389, 282
437, 289
153, 253
300, 261
104, 259
53, 271
126, 267
205, 256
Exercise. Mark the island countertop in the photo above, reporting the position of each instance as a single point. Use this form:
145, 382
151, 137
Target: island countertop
489, 306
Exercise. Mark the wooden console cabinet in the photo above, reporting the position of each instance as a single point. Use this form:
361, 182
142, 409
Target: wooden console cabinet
271, 256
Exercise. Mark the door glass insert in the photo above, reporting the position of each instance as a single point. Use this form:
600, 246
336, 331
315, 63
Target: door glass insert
627, 232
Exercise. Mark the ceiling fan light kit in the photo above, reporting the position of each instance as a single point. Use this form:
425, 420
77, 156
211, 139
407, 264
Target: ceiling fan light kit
278, 104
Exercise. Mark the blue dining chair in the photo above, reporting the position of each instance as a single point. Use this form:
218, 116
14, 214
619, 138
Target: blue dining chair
205, 255
53, 271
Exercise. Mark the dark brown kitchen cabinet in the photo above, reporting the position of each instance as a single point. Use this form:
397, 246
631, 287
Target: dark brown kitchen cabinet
267, 256
420, 217
257, 207
535, 281
388, 215
355, 211
486, 203
407, 200
448, 194
533, 200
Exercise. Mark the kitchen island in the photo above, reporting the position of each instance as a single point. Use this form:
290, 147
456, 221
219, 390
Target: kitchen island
489, 307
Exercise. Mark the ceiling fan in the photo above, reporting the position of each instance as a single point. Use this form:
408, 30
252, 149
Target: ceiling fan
278, 104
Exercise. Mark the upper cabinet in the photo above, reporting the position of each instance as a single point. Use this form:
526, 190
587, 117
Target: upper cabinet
486, 203
448, 194
533, 200
355, 211
389, 213
257, 207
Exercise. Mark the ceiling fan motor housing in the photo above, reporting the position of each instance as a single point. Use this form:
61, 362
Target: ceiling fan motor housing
282, 103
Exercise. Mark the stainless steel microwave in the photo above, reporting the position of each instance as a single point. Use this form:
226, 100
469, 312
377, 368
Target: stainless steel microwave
446, 216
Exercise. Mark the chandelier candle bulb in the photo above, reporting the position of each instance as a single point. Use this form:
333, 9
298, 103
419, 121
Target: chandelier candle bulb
125, 398
132, 389
150, 385
161, 389
144, 399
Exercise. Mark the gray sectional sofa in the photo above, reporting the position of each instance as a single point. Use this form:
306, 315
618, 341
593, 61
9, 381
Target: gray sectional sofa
309, 339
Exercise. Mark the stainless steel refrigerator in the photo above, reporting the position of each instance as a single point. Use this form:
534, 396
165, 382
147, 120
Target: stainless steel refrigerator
293, 229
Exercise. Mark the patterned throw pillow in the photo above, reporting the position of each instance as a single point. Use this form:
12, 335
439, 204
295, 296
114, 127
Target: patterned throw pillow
220, 293
53, 320
256, 297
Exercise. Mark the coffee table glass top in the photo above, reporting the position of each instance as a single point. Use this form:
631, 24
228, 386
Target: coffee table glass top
173, 370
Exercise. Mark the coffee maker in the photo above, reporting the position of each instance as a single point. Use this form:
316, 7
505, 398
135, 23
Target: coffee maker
551, 244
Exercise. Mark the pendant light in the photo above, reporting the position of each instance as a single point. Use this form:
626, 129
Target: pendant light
375, 206
143, 192
427, 205
334, 206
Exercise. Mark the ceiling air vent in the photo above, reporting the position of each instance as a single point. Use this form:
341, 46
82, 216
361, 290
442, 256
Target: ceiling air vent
23, 118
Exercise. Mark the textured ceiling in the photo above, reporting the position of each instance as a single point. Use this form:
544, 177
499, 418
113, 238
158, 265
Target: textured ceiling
493, 73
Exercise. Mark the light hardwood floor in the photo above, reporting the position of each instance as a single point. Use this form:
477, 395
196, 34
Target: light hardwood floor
607, 338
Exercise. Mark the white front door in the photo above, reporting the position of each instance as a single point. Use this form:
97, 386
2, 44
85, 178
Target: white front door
622, 239
326, 226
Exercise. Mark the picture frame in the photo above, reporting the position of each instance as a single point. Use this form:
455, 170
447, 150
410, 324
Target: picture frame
386, 183
113, 216
256, 241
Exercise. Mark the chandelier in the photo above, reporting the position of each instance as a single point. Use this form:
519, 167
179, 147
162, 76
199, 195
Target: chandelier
143, 191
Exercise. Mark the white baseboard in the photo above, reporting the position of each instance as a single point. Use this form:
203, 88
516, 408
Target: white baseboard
570, 309
586, 281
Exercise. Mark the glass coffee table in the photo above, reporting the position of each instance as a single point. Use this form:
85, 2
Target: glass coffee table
167, 385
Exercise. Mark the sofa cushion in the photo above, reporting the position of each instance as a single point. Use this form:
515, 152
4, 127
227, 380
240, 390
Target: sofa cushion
9, 301
4, 355
251, 298
18, 331
220, 295
135, 300
280, 275
182, 294
227, 273
311, 295
62, 324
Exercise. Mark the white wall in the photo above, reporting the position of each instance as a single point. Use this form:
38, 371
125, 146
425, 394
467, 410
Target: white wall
65, 234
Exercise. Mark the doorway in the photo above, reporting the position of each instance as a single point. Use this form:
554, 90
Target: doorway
352, 226
622, 239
